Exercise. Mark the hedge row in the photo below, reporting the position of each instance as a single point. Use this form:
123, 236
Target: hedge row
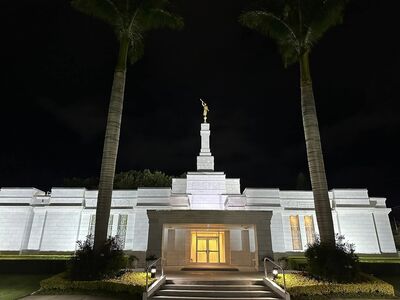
301, 286
130, 283
371, 267
380, 268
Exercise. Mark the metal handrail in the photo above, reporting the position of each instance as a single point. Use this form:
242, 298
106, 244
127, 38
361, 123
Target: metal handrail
147, 271
275, 264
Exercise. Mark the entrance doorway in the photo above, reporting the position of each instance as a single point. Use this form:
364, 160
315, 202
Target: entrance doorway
207, 250
208, 247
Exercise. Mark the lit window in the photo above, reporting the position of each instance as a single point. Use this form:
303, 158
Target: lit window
310, 232
295, 229
121, 229
92, 225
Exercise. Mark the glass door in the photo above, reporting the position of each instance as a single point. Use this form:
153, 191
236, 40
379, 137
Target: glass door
202, 250
207, 250
213, 250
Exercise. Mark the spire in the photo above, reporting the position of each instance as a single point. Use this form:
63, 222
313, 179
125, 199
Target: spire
205, 161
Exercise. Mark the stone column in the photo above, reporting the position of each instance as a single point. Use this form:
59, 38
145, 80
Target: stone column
154, 243
264, 242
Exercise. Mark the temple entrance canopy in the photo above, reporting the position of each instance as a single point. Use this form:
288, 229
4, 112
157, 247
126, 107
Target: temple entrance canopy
209, 244
209, 238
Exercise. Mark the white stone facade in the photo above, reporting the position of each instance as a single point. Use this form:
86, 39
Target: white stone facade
32, 220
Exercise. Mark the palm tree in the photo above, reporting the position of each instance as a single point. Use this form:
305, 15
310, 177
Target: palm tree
296, 25
130, 19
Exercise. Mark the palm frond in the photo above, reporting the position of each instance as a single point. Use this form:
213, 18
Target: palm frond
127, 6
328, 14
296, 25
136, 49
276, 28
131, 19
101, 9
288, 53
129, 9
156, 18
268, 24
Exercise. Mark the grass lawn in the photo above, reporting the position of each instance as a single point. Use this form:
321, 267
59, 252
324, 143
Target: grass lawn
16, 286
34, 257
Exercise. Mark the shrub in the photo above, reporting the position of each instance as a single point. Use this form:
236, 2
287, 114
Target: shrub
299, 285
86, 265
151, 258
283, 262
132, 283
132, 262
336, 264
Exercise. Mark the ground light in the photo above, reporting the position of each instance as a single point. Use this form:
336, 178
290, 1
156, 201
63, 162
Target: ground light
153, 271
275, 273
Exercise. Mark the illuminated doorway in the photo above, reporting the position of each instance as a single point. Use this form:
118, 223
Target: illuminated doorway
208, 247
207, 250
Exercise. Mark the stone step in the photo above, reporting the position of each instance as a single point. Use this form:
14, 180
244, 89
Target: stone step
214, 293
212, 298
219, 287
192, 289
215, 282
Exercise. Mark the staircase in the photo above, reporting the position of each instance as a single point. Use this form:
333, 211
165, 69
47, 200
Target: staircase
214, 290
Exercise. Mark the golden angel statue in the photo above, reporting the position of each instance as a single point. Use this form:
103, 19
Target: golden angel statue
205, 110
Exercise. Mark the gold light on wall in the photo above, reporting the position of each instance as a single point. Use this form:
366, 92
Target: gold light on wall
295, 230
193, 251
222, 247
310, 231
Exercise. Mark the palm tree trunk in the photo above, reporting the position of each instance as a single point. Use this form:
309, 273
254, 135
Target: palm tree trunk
314, 155
110, 150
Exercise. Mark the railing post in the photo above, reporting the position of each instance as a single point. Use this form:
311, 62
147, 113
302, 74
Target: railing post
265, 268
147, 278
283, 271
147, 271
284, 280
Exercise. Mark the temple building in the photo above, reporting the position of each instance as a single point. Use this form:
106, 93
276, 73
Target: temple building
201, 219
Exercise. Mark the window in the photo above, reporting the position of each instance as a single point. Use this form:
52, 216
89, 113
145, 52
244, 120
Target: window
295, 229
92, 225
310, 232
121, 229
110, 225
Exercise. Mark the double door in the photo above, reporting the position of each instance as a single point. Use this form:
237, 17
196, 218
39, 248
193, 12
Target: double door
207, 249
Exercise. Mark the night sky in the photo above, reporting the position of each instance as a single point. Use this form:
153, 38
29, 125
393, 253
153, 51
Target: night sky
57, 70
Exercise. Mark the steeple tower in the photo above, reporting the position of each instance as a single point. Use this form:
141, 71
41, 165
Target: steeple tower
205, 161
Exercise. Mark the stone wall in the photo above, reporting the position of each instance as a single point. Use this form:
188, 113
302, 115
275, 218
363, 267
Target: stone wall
32, 220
